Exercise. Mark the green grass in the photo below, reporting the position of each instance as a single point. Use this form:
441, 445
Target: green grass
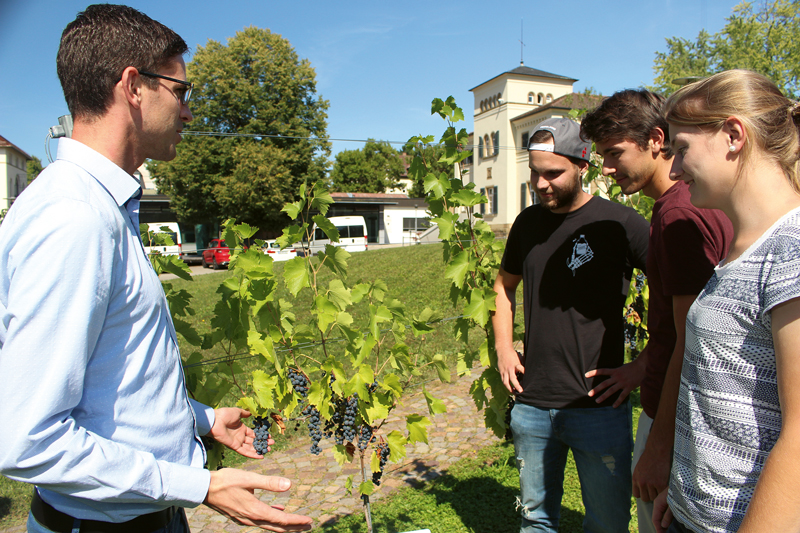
15, 500
476, 495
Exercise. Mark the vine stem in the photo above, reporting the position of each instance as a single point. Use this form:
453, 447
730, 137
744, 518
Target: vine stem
365, 497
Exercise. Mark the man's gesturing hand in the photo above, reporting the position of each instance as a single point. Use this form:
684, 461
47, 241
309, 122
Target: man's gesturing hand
231, 493
229, 430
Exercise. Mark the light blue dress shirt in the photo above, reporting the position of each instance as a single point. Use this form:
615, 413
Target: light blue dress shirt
93, 405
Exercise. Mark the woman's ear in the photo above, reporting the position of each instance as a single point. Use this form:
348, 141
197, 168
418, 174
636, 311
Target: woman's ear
736, 133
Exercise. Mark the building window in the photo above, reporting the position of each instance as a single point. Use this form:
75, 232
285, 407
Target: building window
524, 144
496, 142
549, 98
531, 98
490, 207
413, 224
540, 98
487, 141
489, 173
480, 148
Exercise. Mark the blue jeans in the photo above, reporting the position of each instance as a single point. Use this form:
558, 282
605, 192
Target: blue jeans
601, 441
178, 524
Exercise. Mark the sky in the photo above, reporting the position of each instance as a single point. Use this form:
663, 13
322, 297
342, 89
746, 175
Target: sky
378, 63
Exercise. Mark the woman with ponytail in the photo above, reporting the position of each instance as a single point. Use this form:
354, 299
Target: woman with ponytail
736, 464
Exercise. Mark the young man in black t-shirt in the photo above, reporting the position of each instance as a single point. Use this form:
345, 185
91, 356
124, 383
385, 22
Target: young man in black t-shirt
575, 253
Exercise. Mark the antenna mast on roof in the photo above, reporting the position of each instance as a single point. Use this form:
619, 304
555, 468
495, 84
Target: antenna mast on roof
521, 43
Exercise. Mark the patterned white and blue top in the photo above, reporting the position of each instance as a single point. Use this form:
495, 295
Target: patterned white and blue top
729, 416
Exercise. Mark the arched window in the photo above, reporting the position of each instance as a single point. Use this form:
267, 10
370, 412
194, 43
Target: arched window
531, 98
487, 141
549, 98
480, 148
540, 98
496, 142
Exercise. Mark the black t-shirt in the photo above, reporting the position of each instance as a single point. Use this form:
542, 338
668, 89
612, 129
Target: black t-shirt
576, 270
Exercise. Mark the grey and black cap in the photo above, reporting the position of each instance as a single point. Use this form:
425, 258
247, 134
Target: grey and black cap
566, 139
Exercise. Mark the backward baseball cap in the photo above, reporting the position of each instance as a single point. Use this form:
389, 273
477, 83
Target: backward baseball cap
566, 139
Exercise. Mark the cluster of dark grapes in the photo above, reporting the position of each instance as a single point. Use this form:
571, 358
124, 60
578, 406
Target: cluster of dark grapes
630, 336
372, 388
365, 437
383, 454
333, 427
261, 428
314, 428
349, 421
299, 382
509, 435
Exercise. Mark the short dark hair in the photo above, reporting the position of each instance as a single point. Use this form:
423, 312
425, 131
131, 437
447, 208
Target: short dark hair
631, 114
103, 41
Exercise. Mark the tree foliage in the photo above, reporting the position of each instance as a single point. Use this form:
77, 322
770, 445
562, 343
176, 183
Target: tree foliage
762, 39
432, 157
34, 167
377, 167
254, 85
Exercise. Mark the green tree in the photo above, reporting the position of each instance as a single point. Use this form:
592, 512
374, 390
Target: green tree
428, 155
375, 168
763, 40
254, 85
34, 168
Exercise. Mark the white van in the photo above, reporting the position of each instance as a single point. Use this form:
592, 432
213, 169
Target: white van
187, 250
352, 235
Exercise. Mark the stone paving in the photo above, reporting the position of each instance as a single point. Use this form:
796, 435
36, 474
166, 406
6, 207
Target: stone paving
318, 487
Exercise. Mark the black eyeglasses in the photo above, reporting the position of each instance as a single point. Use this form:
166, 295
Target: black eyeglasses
183, 97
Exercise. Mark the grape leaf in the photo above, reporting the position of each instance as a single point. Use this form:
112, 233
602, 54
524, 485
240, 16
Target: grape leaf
397, 445
416, 425
327, 227
263, 387
295, 273
341, 455
435, 405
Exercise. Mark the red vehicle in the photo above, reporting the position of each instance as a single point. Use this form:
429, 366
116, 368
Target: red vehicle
217, 254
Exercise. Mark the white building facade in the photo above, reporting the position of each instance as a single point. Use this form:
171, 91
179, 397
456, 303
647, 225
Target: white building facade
13, 172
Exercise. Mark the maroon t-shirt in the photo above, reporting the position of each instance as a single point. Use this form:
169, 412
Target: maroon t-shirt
686, 243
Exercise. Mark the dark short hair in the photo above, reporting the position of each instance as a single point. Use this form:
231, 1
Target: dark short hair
103, 41
631, 114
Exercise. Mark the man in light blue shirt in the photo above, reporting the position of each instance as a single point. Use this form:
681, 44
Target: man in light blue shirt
94, 405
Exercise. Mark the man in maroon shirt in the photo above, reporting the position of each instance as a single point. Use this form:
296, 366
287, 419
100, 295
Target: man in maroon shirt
686, 243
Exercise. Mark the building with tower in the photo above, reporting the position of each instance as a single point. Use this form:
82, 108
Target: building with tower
506, 109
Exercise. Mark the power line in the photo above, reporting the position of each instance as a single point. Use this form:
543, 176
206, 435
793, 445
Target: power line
259, 136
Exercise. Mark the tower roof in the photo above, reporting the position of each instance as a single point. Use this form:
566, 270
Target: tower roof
522, 70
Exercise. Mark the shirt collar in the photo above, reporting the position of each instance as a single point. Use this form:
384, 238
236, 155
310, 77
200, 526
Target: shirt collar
119, 184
